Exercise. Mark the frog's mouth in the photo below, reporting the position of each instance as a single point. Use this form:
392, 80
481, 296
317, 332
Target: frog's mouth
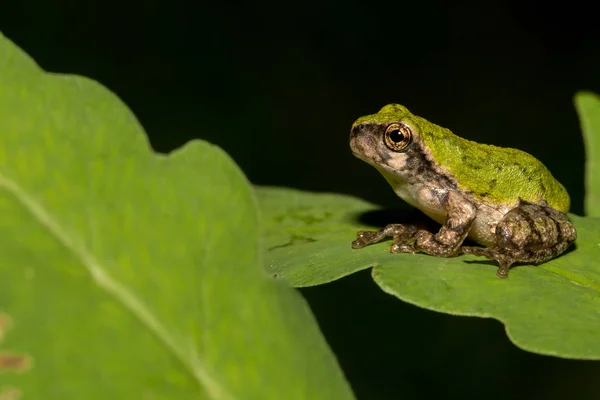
358, 153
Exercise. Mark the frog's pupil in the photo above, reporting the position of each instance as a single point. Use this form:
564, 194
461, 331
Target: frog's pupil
396, 136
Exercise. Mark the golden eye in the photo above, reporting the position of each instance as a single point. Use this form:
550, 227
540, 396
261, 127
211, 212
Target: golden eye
397, 137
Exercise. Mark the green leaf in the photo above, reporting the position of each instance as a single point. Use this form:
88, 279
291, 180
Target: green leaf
588, 108
551, 309
129, 275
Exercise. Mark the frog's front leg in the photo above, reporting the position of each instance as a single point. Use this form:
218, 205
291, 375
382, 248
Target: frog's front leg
409, 239
531, 234
401, 234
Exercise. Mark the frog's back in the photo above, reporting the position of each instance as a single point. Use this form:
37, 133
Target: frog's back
498, 174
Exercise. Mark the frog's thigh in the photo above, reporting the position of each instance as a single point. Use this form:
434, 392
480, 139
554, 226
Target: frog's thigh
529, 233
445, 243
534, 233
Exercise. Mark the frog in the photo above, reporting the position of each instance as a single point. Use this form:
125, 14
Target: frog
504, 200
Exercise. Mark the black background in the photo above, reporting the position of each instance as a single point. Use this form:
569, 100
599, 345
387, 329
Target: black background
278, 84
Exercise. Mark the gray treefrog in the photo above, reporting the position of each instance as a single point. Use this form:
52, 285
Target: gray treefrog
503, 199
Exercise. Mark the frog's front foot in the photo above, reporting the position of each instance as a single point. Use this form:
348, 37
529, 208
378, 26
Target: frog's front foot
365, 238
401, 233
410, 239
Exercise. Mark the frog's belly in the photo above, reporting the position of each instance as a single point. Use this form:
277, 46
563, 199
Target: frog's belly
483, 230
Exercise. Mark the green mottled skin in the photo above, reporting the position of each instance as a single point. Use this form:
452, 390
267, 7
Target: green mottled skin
496, 174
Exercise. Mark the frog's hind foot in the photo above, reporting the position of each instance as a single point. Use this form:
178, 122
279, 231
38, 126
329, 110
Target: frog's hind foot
507, 257
504, 262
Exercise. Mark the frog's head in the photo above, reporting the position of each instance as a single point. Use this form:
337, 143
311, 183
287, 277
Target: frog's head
391, 140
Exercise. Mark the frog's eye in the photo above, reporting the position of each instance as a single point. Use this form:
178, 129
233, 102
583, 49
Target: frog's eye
397, 137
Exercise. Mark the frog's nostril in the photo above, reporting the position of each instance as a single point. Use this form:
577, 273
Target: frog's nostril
356, 129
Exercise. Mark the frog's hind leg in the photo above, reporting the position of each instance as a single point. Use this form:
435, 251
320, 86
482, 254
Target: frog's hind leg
528, 234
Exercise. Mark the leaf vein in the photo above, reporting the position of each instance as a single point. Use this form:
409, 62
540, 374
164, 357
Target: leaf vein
127, 299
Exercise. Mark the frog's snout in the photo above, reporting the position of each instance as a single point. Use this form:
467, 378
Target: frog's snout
356, 144
357, 129
362, 140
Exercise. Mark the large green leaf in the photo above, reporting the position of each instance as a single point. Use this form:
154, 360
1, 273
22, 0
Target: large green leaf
129, 275
588, 108
553, 308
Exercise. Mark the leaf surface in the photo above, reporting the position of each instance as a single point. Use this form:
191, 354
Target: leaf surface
552, 309
587, 105
129, 275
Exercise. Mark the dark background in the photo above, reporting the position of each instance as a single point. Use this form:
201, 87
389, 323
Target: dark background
278, 84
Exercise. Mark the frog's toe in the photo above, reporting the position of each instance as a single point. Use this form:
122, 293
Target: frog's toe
365, 238
359, 244
503, 271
